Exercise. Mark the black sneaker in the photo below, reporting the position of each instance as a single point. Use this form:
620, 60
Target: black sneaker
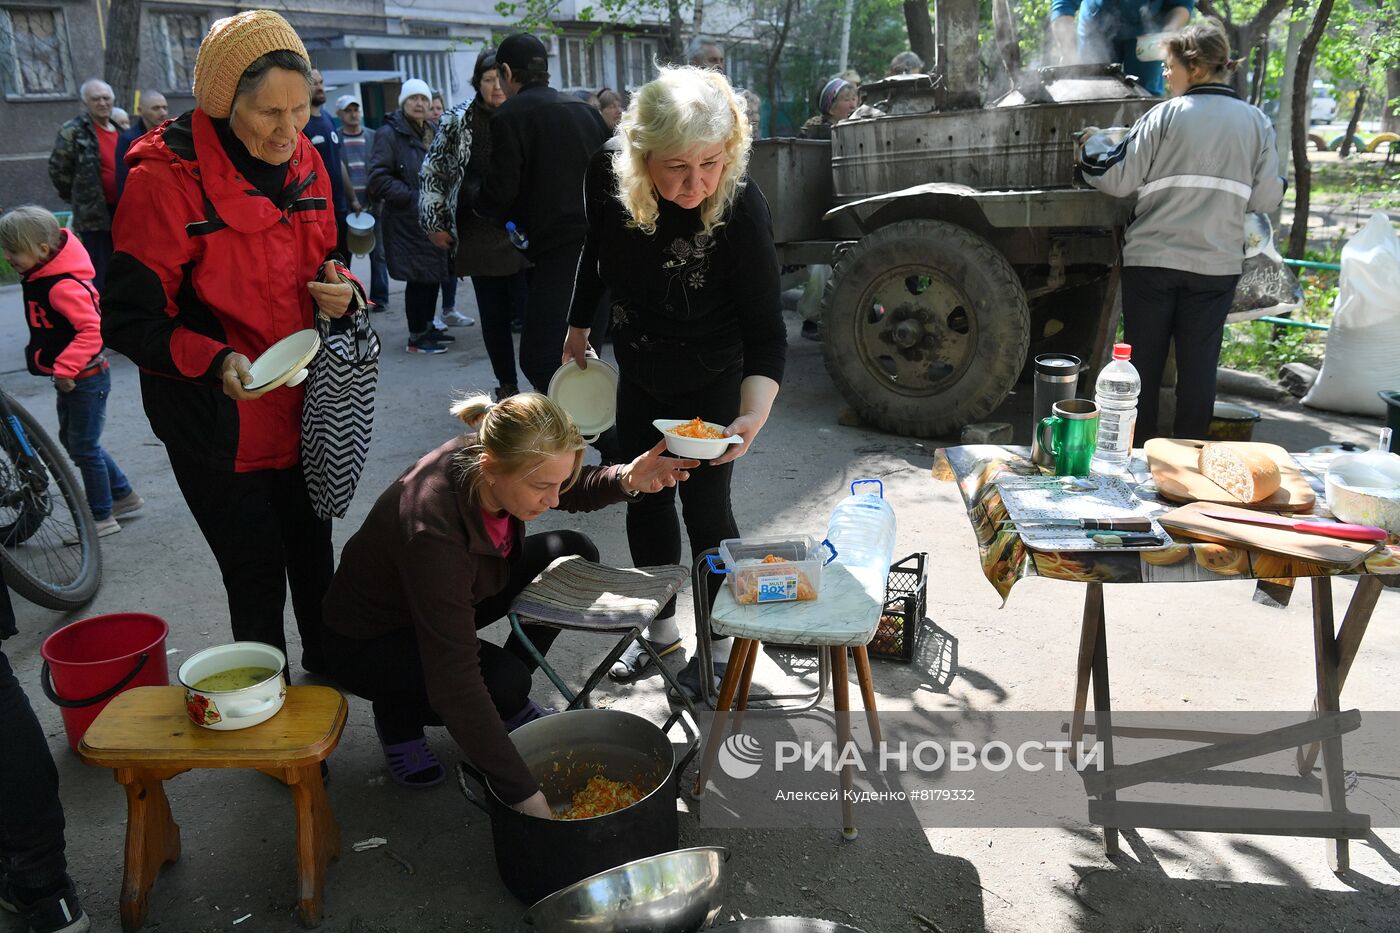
58, 913
811, 330
506, 391
441, 336
424, 343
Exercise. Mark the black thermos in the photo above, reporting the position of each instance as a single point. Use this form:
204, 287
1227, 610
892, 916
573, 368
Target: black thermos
1056, 379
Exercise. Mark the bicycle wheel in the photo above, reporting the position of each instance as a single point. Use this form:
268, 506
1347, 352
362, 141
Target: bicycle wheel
42, 504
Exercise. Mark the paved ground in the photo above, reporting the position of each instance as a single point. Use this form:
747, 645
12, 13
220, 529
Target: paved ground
1203, 647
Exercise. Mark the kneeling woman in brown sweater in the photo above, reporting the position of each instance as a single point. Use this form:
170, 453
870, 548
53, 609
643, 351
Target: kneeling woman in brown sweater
442, 553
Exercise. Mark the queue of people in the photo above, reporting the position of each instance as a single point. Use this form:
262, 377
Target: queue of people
654, 208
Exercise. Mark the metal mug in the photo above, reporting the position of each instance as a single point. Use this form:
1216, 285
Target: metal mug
1071, 434
1056, 379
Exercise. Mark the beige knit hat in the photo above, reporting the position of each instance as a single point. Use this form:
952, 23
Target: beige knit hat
234, 43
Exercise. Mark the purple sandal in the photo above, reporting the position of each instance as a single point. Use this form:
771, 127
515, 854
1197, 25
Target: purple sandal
413, 763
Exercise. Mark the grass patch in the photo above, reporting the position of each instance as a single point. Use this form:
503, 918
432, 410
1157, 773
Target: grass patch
8, 276
1260, 347
1358, 178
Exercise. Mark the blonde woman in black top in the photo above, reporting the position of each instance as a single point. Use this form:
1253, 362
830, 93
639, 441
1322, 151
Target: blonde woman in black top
683, 241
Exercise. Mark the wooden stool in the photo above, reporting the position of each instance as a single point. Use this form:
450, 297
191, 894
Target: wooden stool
145, 735
843, 618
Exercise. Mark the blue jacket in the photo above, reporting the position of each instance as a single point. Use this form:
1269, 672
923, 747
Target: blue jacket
326, 138
1108, 31
124, 141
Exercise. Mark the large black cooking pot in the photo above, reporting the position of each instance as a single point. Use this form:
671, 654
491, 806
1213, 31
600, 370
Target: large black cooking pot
536, 857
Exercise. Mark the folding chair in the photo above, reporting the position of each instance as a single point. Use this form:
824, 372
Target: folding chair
581, 596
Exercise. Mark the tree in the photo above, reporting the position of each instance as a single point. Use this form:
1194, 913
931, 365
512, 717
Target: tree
1360, 45
1302, 170
1249, 36
121, 64
920, 27
1390, 113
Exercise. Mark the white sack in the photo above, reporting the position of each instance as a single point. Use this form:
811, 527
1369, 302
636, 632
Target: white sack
1363, 344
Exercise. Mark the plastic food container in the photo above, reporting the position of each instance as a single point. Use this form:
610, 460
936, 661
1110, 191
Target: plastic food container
775, 569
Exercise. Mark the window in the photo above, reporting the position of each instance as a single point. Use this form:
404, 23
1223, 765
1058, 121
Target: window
426, 30
177, 43
740, 61
34, 53
579, 59
641, 61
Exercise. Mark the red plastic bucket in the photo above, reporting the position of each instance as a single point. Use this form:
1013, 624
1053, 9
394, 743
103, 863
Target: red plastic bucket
88, 662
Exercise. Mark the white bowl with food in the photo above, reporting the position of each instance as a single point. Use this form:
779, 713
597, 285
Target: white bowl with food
1364, 489
235, 686
695, 439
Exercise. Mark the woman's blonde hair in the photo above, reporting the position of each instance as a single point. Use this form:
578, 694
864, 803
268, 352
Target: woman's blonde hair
26, 228
519, 432
682, 108
1204, 46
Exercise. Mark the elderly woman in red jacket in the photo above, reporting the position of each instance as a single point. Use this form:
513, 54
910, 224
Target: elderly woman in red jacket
224, 245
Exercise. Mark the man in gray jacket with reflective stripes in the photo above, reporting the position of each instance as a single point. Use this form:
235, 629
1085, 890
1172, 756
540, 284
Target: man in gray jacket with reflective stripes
1197, 164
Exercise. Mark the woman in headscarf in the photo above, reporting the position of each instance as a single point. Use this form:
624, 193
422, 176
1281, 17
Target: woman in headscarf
224, 245
835, 103
400, 147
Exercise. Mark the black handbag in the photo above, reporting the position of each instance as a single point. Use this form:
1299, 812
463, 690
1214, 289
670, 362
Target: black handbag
337, 415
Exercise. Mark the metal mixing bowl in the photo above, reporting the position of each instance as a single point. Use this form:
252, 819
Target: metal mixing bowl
784, 925
675, 892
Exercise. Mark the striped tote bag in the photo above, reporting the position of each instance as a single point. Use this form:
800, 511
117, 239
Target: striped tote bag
338, 413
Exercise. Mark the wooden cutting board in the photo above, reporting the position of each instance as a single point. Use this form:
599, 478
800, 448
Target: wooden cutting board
1188, 521
1174, 466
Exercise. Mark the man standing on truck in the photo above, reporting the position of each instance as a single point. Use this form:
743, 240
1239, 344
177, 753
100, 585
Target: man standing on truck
1108, 30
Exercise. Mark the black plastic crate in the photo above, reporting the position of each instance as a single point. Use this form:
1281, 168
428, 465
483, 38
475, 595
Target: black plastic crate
906, 601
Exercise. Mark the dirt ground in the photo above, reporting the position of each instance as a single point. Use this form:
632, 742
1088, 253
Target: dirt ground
1202, 647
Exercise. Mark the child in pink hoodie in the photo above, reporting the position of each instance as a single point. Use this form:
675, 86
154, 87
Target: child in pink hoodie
65, 343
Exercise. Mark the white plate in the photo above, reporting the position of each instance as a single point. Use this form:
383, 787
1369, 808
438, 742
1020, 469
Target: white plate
589, 396
285, 360
695, 448
1152, 47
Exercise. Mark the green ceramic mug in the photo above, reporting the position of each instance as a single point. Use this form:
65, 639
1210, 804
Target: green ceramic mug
1071, 433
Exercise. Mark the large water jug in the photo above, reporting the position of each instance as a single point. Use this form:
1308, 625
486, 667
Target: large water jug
862, 530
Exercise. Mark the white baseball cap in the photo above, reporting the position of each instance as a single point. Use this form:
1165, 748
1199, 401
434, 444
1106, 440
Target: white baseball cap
345, 100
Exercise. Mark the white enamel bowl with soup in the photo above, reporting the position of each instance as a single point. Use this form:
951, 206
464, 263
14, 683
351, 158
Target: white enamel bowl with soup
227, 710
695, 448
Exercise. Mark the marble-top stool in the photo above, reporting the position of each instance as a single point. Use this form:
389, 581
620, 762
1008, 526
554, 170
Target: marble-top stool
842, 618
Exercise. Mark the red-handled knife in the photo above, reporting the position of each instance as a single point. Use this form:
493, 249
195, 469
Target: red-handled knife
1326, 529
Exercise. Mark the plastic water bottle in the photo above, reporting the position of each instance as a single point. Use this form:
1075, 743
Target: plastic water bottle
1116, 392
518, 238
862, 530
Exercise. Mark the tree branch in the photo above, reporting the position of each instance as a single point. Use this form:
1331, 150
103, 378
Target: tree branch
1302, 170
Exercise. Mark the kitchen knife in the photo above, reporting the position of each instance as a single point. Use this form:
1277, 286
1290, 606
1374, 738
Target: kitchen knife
1340, 530
1127, 523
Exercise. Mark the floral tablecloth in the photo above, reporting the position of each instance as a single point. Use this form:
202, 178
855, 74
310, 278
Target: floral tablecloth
1006, 559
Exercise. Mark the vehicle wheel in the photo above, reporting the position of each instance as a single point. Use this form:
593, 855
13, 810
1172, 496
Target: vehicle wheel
925, 327
41, 503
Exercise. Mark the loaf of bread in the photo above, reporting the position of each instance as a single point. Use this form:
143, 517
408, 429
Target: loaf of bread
1244, 473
